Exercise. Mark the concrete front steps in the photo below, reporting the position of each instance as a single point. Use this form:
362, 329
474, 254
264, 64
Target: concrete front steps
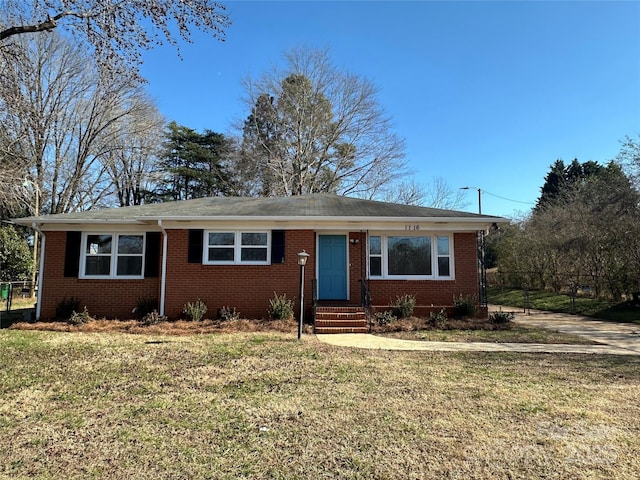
343, 319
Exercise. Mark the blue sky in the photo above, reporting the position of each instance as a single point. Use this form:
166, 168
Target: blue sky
486, 94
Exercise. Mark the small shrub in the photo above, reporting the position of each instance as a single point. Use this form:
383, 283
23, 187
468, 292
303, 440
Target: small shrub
501, 317
79, 318
385, 318
227, 313
280, 307
403, 306
438, 320
195, 310
145, 306
465, 306
152, 318
67, 307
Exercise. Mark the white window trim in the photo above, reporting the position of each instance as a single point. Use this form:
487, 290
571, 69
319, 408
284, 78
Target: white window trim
114, 256
434, 256
237, 247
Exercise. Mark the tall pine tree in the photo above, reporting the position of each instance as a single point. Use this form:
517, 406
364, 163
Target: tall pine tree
194, 164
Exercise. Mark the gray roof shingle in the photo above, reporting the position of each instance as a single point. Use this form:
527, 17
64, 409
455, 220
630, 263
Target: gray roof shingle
315, 205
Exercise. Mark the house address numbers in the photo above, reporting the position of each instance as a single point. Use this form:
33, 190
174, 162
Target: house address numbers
412, 228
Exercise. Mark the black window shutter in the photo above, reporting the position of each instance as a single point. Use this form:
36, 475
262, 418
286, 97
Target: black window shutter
277, 246
152, 255
195, 246
72, 254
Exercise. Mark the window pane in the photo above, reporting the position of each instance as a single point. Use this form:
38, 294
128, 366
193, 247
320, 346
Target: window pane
97, 244
443, 267
130, 244
375, 266
98, 265
254, 255
221, 254
409, 255
254, 239
221, 238
443, 245
129, 266
375, 246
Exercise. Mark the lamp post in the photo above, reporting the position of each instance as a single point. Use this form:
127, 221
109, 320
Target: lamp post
479, 197
36, 191
302, 261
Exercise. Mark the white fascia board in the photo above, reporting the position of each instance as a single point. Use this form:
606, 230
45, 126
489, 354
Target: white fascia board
284, 223
324, 218
325, 223
99, 227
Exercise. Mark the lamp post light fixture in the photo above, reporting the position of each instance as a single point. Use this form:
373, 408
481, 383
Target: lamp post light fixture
303, 256
479, 197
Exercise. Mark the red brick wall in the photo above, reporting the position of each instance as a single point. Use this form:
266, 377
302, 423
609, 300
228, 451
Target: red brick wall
358, 265
103, 298
246, 287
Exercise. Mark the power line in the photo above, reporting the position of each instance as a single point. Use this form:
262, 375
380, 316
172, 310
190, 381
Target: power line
507, 199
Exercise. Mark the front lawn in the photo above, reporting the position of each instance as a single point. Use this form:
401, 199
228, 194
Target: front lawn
265, 406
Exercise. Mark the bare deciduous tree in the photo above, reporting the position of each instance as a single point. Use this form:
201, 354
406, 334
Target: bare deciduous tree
13, 194
67, 119
116, 31
315, 128
437, 194
629, 158
136, 143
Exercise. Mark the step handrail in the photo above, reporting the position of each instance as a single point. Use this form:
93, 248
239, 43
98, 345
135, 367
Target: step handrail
365, 300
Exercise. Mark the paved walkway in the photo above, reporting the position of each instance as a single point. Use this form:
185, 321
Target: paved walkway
615, 338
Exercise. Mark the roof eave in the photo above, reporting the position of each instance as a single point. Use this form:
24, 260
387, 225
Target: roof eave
325, 218
476, 219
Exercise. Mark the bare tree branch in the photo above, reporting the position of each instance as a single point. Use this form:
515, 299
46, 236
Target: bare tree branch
116, 32
49, 24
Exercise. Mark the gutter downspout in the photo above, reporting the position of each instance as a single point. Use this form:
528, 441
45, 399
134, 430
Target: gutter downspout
43, 240
163, 278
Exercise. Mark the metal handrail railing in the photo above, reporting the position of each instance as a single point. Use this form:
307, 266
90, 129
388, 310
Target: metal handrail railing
365, 300
314, 298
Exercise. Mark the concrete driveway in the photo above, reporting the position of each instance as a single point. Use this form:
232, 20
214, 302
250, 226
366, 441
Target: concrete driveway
624, 336
615, 338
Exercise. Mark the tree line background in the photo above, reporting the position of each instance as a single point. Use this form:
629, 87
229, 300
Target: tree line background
82, 138
78, 131
582, 234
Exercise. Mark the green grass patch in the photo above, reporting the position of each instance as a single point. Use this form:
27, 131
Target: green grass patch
265, 406
541, 300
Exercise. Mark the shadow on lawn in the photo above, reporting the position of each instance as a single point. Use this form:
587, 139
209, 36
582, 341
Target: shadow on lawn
627, 312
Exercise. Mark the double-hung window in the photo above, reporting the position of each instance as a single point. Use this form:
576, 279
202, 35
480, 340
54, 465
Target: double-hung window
112, 255
444, 257
404, 256
236, 247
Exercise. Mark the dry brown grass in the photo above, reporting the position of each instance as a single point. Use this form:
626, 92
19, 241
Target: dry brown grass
265, 406
412, 324
474, 330
179, 327
412, 328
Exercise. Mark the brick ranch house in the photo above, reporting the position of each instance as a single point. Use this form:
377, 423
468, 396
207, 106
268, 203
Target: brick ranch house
234, 251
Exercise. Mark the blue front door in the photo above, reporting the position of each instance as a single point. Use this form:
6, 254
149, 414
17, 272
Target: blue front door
332, 267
